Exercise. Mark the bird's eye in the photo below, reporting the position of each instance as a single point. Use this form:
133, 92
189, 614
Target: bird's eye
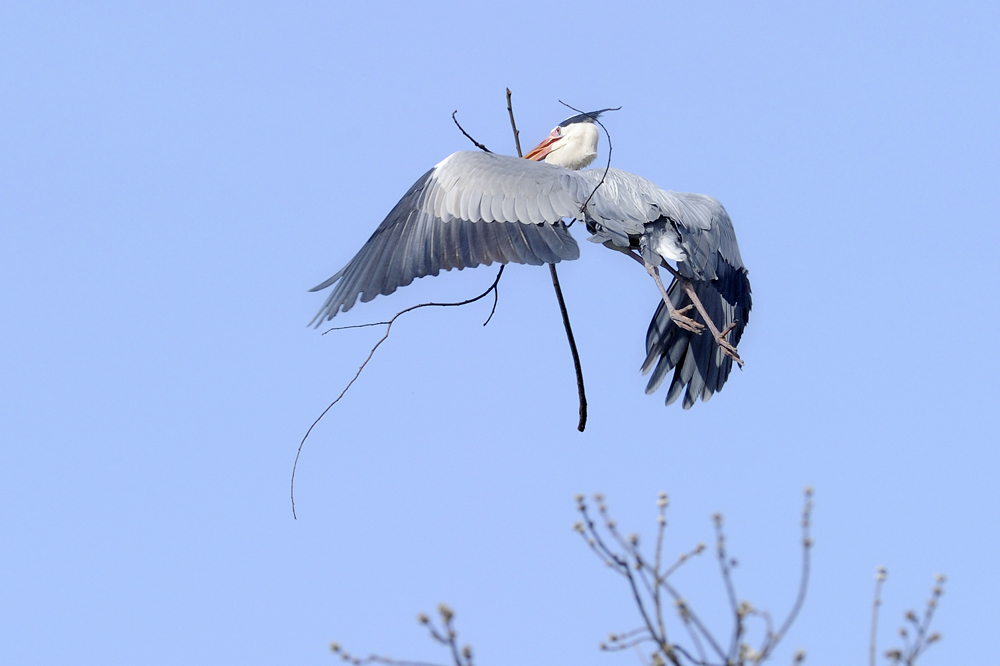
557, 132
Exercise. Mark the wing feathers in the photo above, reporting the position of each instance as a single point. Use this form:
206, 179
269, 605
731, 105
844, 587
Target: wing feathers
699, 365
476, 208
470, 209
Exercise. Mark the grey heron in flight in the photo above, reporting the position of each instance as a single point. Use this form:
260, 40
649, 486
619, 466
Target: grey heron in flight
477, 208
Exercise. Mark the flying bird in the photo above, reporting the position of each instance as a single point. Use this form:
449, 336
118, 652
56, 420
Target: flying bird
477, 208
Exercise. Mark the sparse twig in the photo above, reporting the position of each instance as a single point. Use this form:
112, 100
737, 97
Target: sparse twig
388, 327
513, 126
800, 598
445, 635
467, 135
577, 367
646, 579
922, 638
873, 638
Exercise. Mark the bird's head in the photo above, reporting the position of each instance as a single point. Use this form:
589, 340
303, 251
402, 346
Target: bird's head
572, 144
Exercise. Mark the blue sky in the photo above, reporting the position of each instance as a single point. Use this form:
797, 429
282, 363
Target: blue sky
176, 176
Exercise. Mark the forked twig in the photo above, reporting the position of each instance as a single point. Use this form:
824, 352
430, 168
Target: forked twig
388, 327
647, 578
922, 639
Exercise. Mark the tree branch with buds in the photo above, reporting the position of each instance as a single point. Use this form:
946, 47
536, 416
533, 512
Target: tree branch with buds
651, 588
915, 644
444, 634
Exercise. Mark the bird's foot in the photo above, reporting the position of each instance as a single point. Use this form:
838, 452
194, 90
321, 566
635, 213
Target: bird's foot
729, 349
686, 323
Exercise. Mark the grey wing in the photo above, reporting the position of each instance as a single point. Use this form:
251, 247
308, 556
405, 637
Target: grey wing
622, 205
629, 205
693, 229
473, 208
705, 230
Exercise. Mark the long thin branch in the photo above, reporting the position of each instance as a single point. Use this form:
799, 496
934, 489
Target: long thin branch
693, 617
726, 572
697, 641
388, 327
386, 661
807, 544
661, 641
577, 367
687, 655
800, 598
873, 639
580, 389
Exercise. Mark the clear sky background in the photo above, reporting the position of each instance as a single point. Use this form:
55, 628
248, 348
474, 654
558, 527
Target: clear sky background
174, 177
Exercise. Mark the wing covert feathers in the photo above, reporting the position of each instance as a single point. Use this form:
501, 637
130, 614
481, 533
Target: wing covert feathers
472, 209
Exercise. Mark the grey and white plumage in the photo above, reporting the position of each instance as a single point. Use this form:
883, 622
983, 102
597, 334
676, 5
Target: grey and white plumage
473, 208
477, 208
695, 231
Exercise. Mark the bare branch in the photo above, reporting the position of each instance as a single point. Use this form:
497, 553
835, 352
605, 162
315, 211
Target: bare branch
376, 659
688, 615
873, 638
697, 550
388, 327
577, 367
467, 135
580, 390
646, 580
513, 126
922, 639
726, 572
807, 544
446, 635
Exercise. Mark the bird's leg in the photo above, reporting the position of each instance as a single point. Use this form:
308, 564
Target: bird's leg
720, 337
677, 316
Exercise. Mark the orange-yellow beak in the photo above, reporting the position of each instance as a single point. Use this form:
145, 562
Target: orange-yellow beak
539, 152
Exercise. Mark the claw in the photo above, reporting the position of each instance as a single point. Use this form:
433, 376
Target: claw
729, 349
686, 323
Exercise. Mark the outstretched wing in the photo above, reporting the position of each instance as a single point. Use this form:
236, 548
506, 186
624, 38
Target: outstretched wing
473, 208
